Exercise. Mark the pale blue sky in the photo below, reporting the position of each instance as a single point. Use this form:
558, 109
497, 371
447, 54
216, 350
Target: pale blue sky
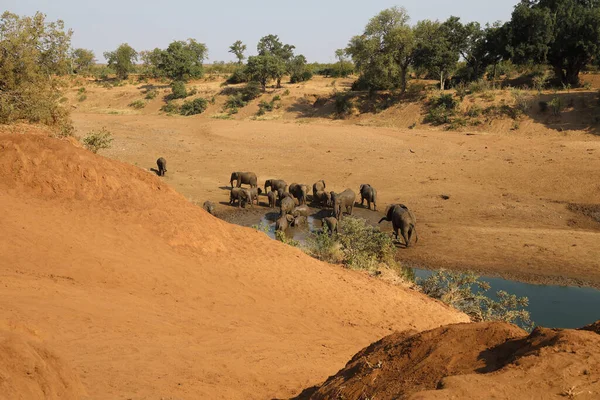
316, 28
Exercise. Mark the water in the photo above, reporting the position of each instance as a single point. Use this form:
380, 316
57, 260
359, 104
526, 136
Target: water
550, 306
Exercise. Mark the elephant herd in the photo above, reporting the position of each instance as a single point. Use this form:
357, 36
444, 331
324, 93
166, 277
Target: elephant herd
292, 200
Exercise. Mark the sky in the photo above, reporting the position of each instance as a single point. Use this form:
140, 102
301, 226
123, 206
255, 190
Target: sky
316, 28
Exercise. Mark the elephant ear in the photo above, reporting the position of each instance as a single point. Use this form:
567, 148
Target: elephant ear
389, 211
289, 217
362, 187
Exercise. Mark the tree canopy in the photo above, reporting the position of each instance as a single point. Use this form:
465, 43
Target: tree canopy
122, 60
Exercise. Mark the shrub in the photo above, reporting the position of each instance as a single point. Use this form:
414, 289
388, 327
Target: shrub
323, 246
587, 85
286, 92
364, 246
235, 101
445, 100
457, 123
196, 106
138, 104
82, 97
264, 107
276, 98
521, 101
556, 106
461, 90
251, 91
178, 90
302, 77
442, 108
97, 140
81, 90
479, 86
170, 108
192, 92
474, 111
465, 292
151, 94
343, 104
284, 239
539, 82
238, 76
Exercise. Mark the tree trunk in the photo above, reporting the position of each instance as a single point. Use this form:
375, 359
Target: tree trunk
278, 83
403, 73
442, 80
494, 76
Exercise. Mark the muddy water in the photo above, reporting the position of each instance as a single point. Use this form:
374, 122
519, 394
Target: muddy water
550, 305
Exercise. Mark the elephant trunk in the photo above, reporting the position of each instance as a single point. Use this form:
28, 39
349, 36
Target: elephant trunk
382, 219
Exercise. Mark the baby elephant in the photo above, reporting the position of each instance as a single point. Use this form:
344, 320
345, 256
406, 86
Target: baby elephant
272, 196
209, 207
162, 166
241, 195
368, 193
402, 220
283, 222
331, 223
254, 193
300, 220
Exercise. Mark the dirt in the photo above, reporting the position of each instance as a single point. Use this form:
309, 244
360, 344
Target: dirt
141, 294
470, 361
493, 201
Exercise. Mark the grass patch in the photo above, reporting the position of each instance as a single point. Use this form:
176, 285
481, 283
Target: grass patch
151, 94
138, 104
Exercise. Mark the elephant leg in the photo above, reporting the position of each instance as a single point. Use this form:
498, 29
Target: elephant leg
406, 236
362, 202
368, 204
351, 208
374, 206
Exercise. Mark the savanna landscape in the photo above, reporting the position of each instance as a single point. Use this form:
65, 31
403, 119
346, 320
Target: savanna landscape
127, 278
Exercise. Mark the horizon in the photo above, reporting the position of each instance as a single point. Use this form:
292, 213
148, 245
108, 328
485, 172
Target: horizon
148, 25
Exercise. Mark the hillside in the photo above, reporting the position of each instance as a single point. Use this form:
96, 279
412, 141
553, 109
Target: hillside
137, 293
472, 361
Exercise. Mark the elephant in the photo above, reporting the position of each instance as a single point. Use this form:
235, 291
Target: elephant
301, 211
247, 178
275, 184
241, 195
283, 222
322, 198
272, 196
331, 223
343, 200
318, 187
254, 193
402, 219
299, 191
209, 207
368, 193
286, 206
300, 220
281, 194
162, 166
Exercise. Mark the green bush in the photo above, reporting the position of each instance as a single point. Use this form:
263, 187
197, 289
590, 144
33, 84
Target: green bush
196, 106
465, 292
151, 94
540, 81
343, 104
81, 90
323, 246
461, 90
251, 91
235, 101
286, 92
264, 107
138, 104
192, 92
97, 140
522, 102
178, 90
170, 108
238, 76
279, 235
479, 86
364, 246
276, 98
82, 97
474, 111
556, 106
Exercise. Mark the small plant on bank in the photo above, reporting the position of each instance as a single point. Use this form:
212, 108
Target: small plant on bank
343, 104
170, 108
441, 109
521, 101
324, 246
138, 104
196, 106
151, 94
539, 82
556, 106
286, 92
284, 239
178, 90
82, 97
465, 292
97, 140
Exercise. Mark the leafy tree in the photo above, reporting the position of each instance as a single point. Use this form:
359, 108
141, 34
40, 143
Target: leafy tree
297, 67
343, 67
32, 50
469, 41
563, 33
150, 60
83, 60
122, 60
182, 60
433, 51
384, 52
262, 68
270, 45
238, 48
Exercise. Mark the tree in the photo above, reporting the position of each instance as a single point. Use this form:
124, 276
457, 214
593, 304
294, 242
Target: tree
32, 51
238, 49
150, 61
385, 50
82, 60
122, 60
181, 60
343, 67
433, 51
469, 41
262, 68
563, 33
297, 68
270, 45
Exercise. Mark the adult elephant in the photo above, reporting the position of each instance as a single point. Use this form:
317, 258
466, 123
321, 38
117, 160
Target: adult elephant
287, 206
275, 185
299, 191
318, 187
368, 193
244, 178
302, 210
322, 198
402, 220
341, 201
